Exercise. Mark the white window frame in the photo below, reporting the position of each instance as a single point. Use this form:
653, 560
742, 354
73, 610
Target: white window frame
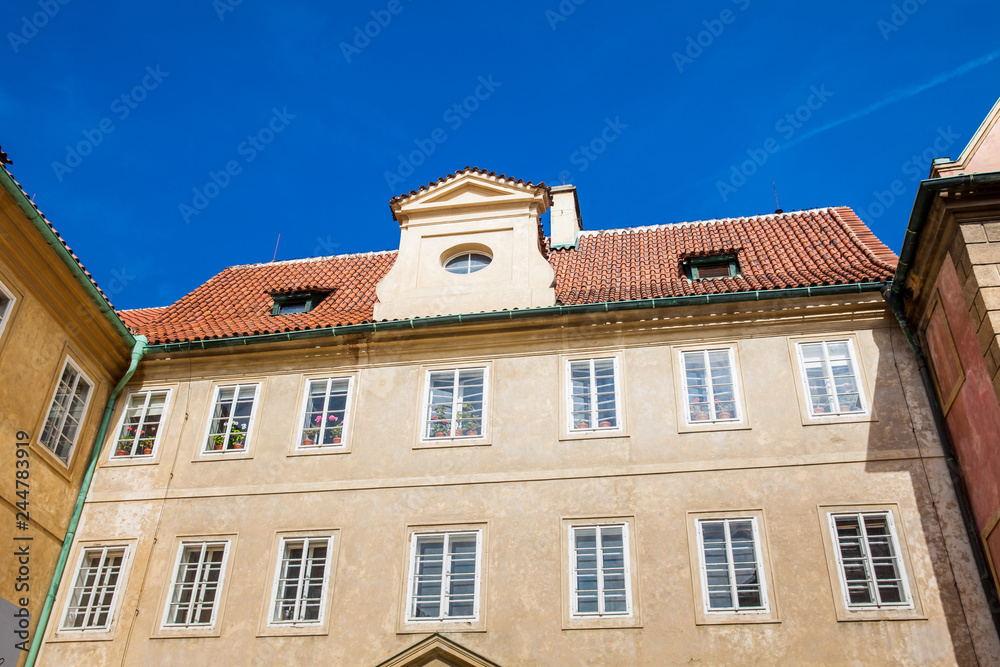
425, 414
62, 422
344, 425
143, 414
7, 308
713, 415
828, 376
573, 565
196, 600
898, 557
104, 550
206, 450
274, 608
571, 424
758, 563
411, 581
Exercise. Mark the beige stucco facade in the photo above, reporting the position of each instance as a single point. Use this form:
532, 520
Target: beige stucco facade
524, 481
50, 320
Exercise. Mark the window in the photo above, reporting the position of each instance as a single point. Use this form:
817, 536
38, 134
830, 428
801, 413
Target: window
868, 560
300, 582
710, 393
444, 581
140, 424
593, 394
455, 406
730, 558
715, 266
467, 262
600, 581
6, 306
229, 428
831, 377
290, 303
325, 413
198, 578
69, 406
95, 589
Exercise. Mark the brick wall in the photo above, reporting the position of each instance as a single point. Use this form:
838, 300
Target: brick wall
976, 254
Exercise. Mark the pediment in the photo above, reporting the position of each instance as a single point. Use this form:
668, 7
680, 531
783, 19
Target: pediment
471, 189
437, 651
982, 154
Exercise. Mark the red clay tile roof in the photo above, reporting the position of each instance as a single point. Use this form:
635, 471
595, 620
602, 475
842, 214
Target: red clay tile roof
827, 246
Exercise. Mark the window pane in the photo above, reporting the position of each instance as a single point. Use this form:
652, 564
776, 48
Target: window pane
592, 394
599, 576
731, 565
443, 576
871, 570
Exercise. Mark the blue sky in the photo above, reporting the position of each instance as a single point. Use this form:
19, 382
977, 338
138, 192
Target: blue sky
167, 141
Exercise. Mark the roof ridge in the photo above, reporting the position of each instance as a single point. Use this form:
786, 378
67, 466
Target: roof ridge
712, 221
302, 260
865, 237
466, 170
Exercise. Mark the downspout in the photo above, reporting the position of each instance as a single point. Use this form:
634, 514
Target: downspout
138, 351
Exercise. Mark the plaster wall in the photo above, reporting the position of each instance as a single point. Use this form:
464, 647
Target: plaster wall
526, 475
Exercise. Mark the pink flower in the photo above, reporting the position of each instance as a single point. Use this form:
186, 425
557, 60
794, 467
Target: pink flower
318, 419
333, 418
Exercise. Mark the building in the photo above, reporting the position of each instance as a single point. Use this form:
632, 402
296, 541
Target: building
62, 351
948, 290
698, 442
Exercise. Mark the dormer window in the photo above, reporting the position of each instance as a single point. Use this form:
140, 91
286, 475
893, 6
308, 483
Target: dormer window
296, 302
714, 266
467, 262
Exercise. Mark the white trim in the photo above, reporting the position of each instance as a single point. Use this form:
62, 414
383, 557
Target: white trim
470, 253
737, 399
145, 409
225, 542
907, 602
731, 566
627, 574
326, 406
829, 377
203, 447
447, 536
273, 605
62, 423
116, 596
8, 308
592, 385
425, 417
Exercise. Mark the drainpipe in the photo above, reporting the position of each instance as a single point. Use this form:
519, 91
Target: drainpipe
895, 302
137, 352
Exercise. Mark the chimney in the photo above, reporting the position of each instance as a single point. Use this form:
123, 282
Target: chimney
565, 222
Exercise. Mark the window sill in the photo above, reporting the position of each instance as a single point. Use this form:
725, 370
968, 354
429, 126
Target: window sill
846, 418
708, 426
125, 461
230, 455
596, 434
427, 627
186, 633
601, 622
321, 451
65, 636
444, 443
736, 618
301, 630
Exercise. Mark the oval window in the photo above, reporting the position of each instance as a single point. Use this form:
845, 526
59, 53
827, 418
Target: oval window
467, 262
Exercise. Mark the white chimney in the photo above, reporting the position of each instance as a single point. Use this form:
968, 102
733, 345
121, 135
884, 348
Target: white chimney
565, 222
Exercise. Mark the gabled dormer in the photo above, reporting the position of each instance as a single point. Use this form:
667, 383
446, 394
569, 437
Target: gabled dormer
981, 155
470, 242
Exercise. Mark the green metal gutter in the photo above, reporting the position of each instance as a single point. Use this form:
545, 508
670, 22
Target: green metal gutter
29, 209
138, 350
491, 316
918, 216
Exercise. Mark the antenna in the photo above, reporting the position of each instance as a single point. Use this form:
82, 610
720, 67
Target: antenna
276, 248
777, 206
